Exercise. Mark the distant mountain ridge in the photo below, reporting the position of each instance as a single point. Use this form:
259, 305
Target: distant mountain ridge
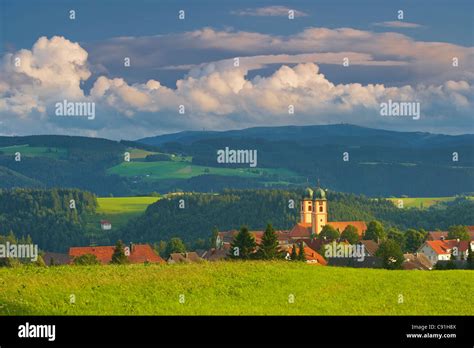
341, 134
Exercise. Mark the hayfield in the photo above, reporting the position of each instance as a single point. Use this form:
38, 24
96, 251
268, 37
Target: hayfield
233, 288
119, 210
422, 202
37, 151
185, 170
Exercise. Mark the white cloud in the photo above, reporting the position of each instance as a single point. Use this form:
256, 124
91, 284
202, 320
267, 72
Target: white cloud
398, 24
216, 95
52, 70
272, 11
426, 62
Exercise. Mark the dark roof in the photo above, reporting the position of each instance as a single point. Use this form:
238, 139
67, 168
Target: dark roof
370, 246
184, 257
215, 254
57, 258
416, 261
439, 235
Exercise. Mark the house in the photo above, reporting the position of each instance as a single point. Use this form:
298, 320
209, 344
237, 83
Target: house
441, 250
443, 235
312, 257
188, 257
370, 247
224, 239
56, 259
416, 261
105, 225
215, 254
136, 253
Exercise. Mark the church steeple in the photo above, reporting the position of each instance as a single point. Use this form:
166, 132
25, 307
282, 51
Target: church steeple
319, 216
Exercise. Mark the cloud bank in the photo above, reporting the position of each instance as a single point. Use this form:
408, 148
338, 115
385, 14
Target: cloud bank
217, 95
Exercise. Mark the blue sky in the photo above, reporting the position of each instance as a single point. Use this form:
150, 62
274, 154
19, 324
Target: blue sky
189, 62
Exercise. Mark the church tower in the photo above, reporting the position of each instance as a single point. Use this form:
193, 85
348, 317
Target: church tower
319, 216
306, 208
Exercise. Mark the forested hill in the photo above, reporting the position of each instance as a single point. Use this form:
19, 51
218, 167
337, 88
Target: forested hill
47, 216
254, 208
346, 158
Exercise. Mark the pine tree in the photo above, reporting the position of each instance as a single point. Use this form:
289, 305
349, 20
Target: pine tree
243, 245
119, 256
470, 257
301, 253
268, 248
213, 239
294, 255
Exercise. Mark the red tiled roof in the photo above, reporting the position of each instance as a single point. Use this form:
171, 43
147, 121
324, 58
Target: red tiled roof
310, 255
445, 246
301, 230
140, 253
341, 225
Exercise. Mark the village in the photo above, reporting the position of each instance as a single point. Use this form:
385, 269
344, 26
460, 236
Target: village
314, 240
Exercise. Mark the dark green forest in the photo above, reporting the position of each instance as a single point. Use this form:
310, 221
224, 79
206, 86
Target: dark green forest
49, 219
47, 216
378, 162
255, 208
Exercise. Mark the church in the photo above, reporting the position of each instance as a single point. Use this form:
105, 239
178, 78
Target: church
314, 216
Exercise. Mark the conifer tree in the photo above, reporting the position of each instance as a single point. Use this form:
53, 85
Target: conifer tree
294, 255
243, 245
470, 257
119, 257
268, 248
301, 253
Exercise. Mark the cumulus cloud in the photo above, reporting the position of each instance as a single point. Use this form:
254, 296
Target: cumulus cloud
53, 69
272, 11
216, 95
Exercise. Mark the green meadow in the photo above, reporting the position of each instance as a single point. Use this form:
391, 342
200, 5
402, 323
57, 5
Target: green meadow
185, 170
119, 210
29, 151
233, 288
422, 202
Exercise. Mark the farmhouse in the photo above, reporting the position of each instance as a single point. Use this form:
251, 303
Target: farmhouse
443, 235
441, 250
136, 253
105, 225
188, 257
416, 261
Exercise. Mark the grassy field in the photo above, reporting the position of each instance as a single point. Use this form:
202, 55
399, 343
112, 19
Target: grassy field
233, 288
29, 151
185, 170
421, 202
119, 210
